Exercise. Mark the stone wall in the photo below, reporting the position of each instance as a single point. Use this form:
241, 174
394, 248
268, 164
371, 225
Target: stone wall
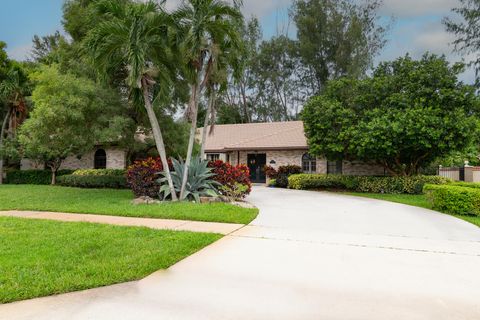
116, 159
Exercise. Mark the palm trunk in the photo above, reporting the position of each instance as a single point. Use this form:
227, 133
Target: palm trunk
211, 103
2, 135
193, 128
157, 135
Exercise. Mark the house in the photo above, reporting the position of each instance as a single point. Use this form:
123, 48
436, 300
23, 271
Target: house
101, 157
275, 144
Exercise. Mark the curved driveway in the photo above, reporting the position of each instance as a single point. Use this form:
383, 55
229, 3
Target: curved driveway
308, 255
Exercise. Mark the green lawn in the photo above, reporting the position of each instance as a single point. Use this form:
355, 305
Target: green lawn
40, 258
417, 200
114, 202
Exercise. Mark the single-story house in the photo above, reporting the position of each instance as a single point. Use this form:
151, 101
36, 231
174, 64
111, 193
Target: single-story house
275, 144
101, 157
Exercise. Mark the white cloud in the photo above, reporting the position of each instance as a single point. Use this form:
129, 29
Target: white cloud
20, 53
415, 8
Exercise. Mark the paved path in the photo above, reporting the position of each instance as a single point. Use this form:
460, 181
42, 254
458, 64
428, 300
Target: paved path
162, 224
307, 256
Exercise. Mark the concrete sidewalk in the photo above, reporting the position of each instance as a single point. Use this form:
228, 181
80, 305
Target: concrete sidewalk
162, 224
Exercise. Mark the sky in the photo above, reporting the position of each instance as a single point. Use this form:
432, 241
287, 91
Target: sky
416, 27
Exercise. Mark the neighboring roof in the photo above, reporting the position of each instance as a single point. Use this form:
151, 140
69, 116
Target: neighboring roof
257, 136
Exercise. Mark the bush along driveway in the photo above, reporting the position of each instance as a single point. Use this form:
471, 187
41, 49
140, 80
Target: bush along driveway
308, 255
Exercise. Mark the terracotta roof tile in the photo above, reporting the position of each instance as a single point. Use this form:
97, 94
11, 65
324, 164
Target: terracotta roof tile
257, 136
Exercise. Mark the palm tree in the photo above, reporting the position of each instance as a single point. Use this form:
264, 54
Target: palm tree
133, 40
13, 91
203, 24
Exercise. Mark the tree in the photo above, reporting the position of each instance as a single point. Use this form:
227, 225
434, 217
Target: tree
336, 38
203, 26
14, 88
405, 116
467, 31
70, 116
133, 40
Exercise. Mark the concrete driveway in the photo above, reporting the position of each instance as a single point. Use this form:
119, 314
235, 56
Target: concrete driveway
307, 256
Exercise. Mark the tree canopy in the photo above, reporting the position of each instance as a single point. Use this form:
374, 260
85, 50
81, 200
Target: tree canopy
407, 114
71, 115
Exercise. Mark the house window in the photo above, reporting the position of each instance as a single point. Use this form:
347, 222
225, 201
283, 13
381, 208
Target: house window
335, 167
309, 163
100, 160
213, 156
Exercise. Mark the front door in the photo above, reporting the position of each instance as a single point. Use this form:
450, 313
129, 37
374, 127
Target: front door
256, 164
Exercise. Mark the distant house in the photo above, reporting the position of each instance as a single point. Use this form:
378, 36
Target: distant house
275, 144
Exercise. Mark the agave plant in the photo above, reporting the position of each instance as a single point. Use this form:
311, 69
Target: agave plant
199, 182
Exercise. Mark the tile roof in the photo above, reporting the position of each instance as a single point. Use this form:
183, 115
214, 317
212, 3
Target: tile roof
257, 136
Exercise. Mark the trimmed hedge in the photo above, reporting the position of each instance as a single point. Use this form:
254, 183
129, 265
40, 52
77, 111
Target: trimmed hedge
410, 185
41, 177
454, 199
93, 182
100, 172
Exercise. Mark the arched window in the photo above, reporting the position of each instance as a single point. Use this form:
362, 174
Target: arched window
100, 161
309, 163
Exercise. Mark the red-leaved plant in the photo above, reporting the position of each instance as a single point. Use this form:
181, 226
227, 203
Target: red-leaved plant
142, 177
228, 175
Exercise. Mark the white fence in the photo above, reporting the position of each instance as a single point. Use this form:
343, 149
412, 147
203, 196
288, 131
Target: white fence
467, 173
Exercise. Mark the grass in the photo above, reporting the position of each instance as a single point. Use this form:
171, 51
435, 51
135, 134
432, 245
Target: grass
417, 200
40, 258
114, 202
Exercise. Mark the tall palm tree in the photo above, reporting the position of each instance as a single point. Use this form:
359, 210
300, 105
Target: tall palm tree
133, 40
13, 91
203, 24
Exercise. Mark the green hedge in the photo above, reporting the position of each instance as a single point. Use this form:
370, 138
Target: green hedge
454, 199
410, 185
92, 181
42, 177
100, 172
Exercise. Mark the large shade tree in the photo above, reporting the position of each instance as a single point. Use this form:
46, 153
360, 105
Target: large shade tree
409, 113
71, 115
133, 39
203, 25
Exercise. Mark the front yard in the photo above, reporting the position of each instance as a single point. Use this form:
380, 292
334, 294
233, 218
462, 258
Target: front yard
114, 202
417, 200
39, 258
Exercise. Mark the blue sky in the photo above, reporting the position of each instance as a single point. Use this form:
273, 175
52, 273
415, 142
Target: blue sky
417, 26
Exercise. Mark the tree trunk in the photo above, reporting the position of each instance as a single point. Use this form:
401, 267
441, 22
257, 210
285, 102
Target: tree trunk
193, 128
211, 103
157, 135
2, 135
54, 166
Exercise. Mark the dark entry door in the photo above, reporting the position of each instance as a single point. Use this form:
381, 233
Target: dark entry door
256, 164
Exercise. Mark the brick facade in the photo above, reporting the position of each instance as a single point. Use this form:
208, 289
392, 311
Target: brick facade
294, 157
116, 159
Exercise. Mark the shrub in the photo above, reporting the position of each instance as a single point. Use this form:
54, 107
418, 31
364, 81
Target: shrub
410, 185
93, 181
236, 192
272, 182
289, 170
41, 177
100, 172
281, 175
142, 177
228, 175
454, 199
200, 181
270, 172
